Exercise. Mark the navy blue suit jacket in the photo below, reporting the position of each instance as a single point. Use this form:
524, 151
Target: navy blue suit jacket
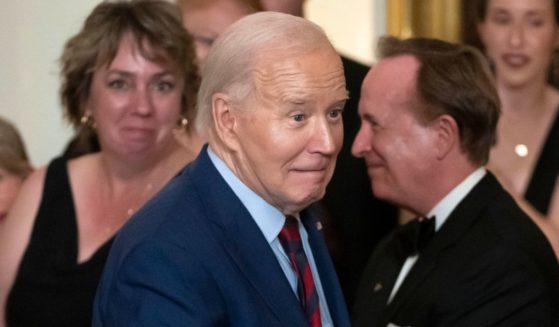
193, 256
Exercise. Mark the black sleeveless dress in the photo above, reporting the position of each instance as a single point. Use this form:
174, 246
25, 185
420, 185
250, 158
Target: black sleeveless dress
51, 288
541, 185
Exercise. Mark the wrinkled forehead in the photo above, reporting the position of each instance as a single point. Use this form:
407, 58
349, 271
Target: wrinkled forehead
293, 76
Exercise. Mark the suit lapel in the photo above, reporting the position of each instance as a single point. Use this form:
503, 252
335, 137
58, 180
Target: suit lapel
251, 252
328, 277
459, 221
376, 285
245, 244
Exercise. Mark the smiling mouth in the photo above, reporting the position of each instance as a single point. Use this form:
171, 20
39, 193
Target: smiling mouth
373, 169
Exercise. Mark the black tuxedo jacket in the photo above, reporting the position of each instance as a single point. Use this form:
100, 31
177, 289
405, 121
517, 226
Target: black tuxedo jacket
488, 265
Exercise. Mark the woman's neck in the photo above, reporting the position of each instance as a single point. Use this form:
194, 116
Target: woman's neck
524, 101
154, 168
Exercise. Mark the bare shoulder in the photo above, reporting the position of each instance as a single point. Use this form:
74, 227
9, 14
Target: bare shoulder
83, 163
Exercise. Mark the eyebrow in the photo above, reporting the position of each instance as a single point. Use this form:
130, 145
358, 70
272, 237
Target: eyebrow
132, 74
530, 12
536, 12
370, 118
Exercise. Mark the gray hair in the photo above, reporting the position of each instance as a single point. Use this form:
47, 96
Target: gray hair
237, 52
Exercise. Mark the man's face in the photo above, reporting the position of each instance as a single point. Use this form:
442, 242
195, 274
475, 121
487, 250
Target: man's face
290, 130
397, 148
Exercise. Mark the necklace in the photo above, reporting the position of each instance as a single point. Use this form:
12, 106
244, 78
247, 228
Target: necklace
521, 150
138, 203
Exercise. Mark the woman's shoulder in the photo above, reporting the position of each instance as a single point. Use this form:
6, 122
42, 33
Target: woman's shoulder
82, 166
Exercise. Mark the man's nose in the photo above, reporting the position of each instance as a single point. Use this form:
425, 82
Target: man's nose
362, 143
327, 138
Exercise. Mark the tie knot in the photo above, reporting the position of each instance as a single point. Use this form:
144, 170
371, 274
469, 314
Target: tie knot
415, 235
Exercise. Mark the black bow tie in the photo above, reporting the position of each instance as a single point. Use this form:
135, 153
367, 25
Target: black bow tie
415, 235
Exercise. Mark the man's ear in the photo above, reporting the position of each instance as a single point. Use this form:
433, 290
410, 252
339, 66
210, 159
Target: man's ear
224, 119
447, 135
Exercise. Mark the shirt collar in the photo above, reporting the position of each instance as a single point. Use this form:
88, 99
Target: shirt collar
443, 209
268, 218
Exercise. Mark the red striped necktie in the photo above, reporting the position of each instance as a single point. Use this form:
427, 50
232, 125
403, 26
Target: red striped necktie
290, 239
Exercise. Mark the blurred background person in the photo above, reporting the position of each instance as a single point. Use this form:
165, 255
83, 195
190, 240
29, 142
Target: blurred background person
14, 166
129, 76
356, 219
207, 19
520, 38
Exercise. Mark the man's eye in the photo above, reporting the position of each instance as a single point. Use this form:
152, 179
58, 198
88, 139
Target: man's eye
298, 117
335, 113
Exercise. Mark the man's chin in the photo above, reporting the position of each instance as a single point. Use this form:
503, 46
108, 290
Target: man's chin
303, 200
381, 192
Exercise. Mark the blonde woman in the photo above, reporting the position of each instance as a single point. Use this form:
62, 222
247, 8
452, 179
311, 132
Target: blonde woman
14, 166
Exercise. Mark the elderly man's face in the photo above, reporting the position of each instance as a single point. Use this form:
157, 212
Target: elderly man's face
290, 129
397, 148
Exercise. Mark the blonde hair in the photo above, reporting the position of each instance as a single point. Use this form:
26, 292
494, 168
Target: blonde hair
13, 157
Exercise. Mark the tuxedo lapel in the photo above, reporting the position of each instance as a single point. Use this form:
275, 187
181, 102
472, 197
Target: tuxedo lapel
458, 223
377, 283
328, 277
245, 244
